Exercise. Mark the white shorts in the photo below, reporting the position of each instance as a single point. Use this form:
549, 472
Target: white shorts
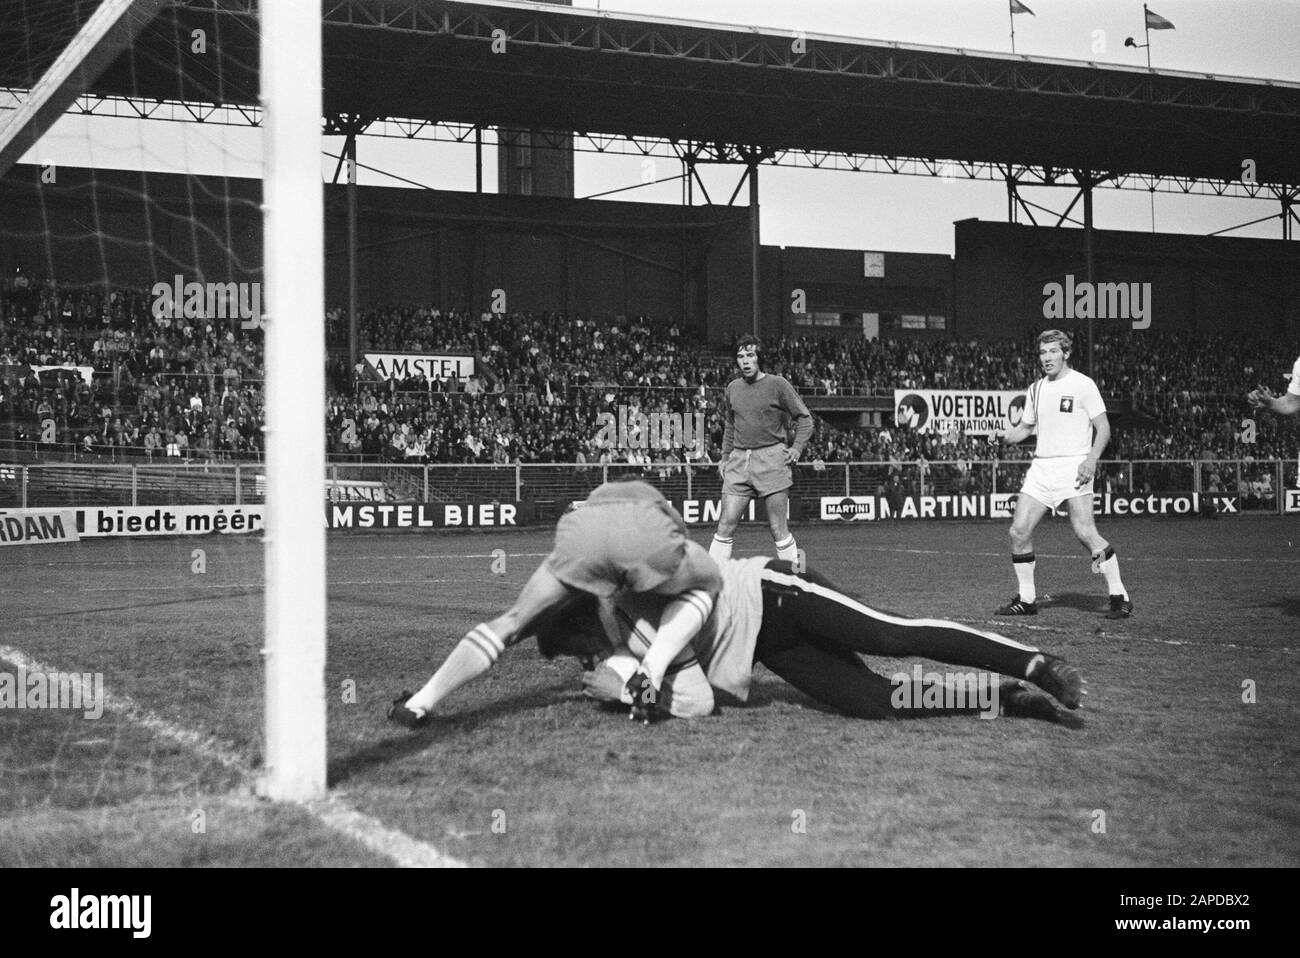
1052, 481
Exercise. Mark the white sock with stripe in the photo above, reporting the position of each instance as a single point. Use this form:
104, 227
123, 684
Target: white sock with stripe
477, 652
1108, 565
787, 549
1024, 566
680, 622
720, 548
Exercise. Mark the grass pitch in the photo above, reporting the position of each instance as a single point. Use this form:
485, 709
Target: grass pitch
1175, 766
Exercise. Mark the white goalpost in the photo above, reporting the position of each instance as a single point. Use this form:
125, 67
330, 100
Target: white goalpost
294, 340
293, 226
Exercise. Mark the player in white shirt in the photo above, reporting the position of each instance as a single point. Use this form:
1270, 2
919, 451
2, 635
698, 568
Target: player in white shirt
1288, 404
1068, 410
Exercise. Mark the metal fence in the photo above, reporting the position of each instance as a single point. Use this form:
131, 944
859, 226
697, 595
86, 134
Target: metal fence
1257, 482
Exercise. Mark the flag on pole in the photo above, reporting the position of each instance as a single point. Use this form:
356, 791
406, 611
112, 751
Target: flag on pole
1157, 22
1015, 6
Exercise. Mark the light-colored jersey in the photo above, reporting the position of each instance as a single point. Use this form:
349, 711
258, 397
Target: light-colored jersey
725, 644
627, 536
1294, 388
1063, 410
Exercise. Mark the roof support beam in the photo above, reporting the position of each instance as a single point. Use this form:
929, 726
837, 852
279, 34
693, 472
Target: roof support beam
108, 32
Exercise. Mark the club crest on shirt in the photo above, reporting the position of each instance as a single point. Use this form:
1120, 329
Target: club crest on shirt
1067, 404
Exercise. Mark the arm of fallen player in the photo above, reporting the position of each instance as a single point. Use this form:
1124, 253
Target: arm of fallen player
686, 692
605, 683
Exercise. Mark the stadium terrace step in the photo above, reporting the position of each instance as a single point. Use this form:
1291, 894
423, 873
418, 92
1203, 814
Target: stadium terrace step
849, 403
53, 485
407, 485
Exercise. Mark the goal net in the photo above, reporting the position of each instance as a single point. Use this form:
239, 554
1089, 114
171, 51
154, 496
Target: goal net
162, 371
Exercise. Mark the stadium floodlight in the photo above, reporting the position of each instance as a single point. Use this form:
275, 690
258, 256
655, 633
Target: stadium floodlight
293, 228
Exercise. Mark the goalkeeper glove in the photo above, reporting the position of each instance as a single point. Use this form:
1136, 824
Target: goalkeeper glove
645, 699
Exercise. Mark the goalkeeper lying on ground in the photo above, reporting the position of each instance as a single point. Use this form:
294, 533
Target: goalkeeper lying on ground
806, 631
626, 539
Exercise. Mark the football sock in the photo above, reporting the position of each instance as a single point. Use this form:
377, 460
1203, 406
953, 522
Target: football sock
1024, 566
1034, 664
680, 622
720, 548
475, 654
787, 549
1107, 564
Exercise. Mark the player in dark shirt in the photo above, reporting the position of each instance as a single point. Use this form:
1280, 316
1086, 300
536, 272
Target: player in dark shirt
756, 461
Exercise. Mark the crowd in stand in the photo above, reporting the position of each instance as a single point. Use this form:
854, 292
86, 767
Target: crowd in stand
1193, 385
500, 427
192, 388
165, 387
857, 365
529, 350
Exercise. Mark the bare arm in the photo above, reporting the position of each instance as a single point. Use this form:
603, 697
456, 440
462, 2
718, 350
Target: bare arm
1017, 434
1288, 404
685, 693
1100, 439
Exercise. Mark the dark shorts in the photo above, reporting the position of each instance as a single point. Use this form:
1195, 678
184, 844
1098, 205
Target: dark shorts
631, 542
757, 473
813, 636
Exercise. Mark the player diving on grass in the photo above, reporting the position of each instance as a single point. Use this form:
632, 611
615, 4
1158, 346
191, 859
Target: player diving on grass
798, 625
625, 538
1072, 433
808, 632
755, 458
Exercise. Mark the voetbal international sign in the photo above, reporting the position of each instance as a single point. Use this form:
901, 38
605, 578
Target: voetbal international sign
974, 412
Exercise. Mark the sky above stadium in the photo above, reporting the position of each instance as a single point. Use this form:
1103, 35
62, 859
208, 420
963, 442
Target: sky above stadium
1256, 38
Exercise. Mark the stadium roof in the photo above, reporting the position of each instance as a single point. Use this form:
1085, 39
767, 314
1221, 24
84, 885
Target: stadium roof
608, 73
